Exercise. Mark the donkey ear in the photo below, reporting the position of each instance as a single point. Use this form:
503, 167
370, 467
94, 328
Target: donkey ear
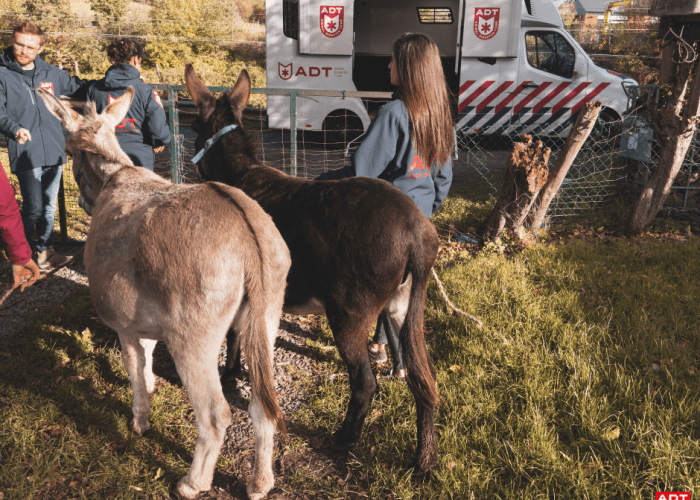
69, 118
239, 95
116, 111
200, 93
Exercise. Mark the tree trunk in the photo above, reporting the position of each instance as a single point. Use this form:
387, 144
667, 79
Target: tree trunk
578, 135
676, 133
526, 173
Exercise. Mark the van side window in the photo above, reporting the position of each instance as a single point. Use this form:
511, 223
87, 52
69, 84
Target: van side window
550, 52
432, 15
290, 18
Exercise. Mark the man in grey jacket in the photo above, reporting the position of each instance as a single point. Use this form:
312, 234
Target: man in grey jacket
35, 140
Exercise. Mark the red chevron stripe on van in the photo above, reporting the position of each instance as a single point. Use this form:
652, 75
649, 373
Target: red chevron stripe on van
465, 86
510, 97
549, 97
590, 96
580, 88
476, 94
531, 96
492, 96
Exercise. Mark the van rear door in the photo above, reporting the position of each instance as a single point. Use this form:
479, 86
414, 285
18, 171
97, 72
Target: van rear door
553, 77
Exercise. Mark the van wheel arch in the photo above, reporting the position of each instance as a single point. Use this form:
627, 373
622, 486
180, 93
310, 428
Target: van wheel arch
340, 127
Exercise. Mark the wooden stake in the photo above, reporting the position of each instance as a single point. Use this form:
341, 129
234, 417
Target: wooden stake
455, 309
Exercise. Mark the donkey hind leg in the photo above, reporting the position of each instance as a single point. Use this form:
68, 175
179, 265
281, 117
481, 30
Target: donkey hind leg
263, 479
397, 309
234, 367
351, 341
197, 367
394, 313
138, 361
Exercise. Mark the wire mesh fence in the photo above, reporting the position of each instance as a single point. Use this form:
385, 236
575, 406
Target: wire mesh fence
616, 160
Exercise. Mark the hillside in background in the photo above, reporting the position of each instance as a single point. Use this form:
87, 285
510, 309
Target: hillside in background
219, 37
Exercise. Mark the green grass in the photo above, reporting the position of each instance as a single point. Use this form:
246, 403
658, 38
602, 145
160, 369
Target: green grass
578, 342
66, 400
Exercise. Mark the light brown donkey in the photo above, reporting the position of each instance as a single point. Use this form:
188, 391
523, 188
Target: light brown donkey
180, 264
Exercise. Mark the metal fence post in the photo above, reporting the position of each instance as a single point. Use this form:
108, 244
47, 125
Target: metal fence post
175, 167
293, 130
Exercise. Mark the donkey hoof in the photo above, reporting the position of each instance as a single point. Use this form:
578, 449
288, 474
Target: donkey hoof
341, 442
258, 495
184, 490
423, 465
139, 427
421, 476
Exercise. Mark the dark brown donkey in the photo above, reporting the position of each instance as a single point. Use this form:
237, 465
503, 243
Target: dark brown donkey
358, 246
180, 264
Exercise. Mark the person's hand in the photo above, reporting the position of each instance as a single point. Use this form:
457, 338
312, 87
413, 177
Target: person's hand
23, 136
28, 271
159, 149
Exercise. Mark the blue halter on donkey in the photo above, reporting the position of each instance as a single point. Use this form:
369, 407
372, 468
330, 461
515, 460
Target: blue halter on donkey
212, 141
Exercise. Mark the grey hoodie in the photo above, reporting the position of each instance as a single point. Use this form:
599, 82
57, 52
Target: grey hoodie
387, 153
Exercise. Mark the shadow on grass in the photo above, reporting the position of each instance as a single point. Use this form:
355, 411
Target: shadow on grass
63, 372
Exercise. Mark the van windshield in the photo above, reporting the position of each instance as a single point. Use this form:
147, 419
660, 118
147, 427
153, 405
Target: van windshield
549, 51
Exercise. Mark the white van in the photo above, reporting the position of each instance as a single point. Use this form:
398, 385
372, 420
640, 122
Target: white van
511, 65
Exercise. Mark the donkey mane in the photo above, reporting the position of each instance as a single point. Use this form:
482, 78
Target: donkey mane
249, 148
86, 138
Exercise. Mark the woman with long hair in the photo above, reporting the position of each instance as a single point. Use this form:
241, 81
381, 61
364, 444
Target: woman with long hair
408, 144
144, 130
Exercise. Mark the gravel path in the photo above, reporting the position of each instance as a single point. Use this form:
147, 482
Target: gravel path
19, 306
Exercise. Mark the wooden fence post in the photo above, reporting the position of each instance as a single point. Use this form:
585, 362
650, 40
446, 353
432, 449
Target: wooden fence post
578, 135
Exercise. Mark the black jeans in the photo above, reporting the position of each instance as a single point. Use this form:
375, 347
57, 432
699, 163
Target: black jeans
385, 334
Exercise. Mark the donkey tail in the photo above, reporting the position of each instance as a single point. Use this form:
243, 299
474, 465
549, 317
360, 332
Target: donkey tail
422, 378
256, 344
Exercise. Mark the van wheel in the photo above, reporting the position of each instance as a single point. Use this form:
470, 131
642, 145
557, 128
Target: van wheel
339, 128
605, 131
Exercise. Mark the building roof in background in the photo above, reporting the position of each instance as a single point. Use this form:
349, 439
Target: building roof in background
590, 6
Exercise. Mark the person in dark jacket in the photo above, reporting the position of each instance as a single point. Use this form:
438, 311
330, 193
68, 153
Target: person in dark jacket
144, 129
408, 144
35, 140
12, 231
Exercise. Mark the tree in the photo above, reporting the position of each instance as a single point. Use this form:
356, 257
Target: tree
53, 16
110, 12
10, 11
181, 29
675, 125
567, 11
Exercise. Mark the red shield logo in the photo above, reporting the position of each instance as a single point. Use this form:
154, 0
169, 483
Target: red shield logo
48, 86
285, 72
331, 20
486, 22
111, 99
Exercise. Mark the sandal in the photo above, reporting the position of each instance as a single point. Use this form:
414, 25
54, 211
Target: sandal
375, 355
392, 373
